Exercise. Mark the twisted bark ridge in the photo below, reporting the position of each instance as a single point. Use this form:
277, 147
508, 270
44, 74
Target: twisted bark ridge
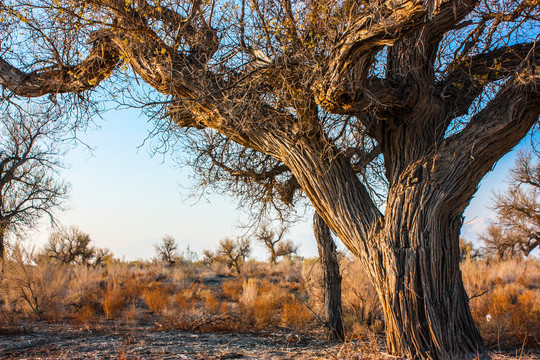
342, 102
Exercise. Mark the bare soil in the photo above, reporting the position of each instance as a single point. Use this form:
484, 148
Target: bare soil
61, 342
46, 341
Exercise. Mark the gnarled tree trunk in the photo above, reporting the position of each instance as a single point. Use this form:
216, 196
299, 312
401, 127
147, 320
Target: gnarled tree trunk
411, 255
331, 279
411, 252
421, 282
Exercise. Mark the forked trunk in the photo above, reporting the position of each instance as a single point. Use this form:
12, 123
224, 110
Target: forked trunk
331, 279
411, 253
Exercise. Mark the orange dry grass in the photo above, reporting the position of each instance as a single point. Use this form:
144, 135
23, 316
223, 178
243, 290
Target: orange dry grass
505, 300
211, 303
296, 315
156, 299
85, 315
232, 289
266, 311
114, 303
182, 301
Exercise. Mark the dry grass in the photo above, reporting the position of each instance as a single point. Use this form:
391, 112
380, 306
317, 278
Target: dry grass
505, 300
206, 297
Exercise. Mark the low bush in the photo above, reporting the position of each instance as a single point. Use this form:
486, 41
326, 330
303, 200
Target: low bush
505, 300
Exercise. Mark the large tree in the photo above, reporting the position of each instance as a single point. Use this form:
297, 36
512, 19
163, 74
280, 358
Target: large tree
306, 94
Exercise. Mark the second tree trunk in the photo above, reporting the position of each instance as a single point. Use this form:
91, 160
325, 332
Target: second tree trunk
331, 277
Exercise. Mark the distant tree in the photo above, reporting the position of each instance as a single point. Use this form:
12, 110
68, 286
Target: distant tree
496, 242
72, 246
274, 242
167, 250
208, 256
467, 249
31, 149
233, 253
102, 257
517, 228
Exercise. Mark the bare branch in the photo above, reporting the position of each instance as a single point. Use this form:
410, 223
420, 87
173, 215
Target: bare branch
98, 65
468, 77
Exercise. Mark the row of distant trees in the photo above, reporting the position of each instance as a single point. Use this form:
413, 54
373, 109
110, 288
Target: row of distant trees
233, 252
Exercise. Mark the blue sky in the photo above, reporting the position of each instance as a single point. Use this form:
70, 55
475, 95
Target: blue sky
127, 200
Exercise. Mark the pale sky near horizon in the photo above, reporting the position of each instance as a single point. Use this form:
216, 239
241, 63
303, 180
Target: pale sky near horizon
127, 200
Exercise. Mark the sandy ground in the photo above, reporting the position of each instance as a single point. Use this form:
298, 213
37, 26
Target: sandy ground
61, 342
54, 343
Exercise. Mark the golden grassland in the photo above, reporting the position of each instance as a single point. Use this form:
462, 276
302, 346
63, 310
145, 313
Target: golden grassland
199, 296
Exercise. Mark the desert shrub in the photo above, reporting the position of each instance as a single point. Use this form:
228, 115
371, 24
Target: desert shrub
85, 315
505, 300
114, 302
255, 269
290, 269
84, 292
132, 315
182, 301
250, 291
178, 319
266, 311
262, 303
359, 298
313, 282
219, 268
156, 299
34, 288
296, 315
360, 302
510, 315
185, 273
232, 289
193, 292
210, 302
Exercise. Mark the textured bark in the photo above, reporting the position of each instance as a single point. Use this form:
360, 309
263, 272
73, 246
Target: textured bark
412, 257
421, 283
331, 279
412, 252
3, 227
